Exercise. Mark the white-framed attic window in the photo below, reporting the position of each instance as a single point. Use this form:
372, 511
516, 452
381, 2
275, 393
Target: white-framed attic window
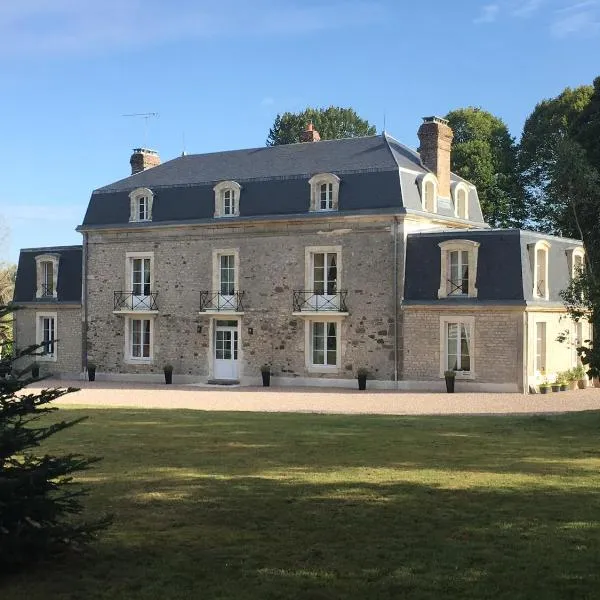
458, 271
428, 188
140, 205
227, 199
324, 192
46, 276
576, 261
539, 257
460, 196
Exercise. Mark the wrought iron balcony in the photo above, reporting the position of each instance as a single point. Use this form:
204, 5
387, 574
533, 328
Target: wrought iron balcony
130, 301
218, 302
310, 301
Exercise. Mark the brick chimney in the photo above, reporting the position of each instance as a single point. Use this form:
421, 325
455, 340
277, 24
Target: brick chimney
436, 143
142, 159
310, 134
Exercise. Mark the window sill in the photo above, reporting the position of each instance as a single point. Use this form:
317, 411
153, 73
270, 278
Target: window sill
333, 370
46, 358
138, 361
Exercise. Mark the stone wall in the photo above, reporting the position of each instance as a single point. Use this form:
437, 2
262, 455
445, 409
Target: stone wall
271, 267
68, 331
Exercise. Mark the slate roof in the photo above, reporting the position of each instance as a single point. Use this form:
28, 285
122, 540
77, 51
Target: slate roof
377, 173
69, 275
504, 270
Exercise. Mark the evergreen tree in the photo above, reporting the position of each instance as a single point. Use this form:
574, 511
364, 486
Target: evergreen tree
38, 498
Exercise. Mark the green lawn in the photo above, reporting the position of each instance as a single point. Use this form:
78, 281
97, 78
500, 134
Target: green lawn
260, 506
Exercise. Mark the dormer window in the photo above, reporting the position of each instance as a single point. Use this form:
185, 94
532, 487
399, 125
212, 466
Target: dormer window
46, 276
141, 201
458, 271
576, 260
539, 254
324, 192
428, 186
227, 199
460, 194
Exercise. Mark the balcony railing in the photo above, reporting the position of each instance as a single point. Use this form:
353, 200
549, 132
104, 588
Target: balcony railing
310, 301
46, 290
215, 301
126, 301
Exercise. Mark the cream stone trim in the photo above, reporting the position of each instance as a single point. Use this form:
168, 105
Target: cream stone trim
39, 335
456, 187
220, 190
308, 264
571, 254
127, 357
458, 246
315, 183
460, 319
533, 257
332, 369
134, 198
216, 267
129, 256
422, 181
40, 259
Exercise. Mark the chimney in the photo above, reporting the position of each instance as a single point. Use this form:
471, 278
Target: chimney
142, 159
436, 143
310, 134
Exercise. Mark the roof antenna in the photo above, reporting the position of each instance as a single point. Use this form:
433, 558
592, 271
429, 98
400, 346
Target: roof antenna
145, 116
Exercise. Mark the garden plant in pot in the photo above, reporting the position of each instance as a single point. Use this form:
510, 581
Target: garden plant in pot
35, 370
168, 371
362, 375
544, 387
561, 379
579, 373
450, 377
91, 369
265, 371
555, 386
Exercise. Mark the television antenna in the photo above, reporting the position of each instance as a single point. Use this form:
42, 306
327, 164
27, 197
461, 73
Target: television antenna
144, 116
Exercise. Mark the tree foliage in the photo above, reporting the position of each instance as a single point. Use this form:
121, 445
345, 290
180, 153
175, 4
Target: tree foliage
38, 497
331, 123
484, 153
546, 128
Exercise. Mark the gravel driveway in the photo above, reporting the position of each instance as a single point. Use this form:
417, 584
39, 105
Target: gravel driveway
318, 400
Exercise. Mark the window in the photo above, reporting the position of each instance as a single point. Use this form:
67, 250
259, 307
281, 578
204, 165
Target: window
46, 336
324, 192
540, 347
576, 260
461, 200
322, 278
456, 345
227, 274
140, 276
47, 276
227, 199
428, 186
140, 339
139, 288
578, 341
539, 250
458, 271
325, 273
225, 294
141, 201
324, 343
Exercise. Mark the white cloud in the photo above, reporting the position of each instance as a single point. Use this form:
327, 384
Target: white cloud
526, 8
580, 18
489, 13
32, 27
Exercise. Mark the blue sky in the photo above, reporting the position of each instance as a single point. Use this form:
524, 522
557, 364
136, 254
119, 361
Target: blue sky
217, 73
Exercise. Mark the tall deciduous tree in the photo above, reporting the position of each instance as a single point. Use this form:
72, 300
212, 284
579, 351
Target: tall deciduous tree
484, 153
548, 126
331, 123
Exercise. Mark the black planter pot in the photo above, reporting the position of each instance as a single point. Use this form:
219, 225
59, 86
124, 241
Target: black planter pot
544, 389
35, 371
563, 387
362, 382
92, 373
266, 377
450, 384
168, 377
555, 387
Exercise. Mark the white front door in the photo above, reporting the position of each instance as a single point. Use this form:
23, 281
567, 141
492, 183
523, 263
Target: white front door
226, 350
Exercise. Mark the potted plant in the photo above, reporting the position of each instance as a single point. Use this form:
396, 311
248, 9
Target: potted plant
555, 385
91, 369
35, 370
579, 374
571, 379
362, 375
168, 371
561, 379
544, 387
450, 377
265, 371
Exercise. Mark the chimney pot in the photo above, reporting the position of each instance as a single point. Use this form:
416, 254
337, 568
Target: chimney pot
142, 159
310, 134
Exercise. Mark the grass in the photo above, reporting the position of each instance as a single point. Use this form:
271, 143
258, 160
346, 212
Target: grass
264, 506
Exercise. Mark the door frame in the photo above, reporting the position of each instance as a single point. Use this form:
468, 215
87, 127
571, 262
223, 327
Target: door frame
212, 341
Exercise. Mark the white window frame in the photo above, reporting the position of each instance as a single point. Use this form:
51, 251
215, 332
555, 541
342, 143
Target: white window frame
216, 267
544, 246
422, 183
39, 335
541, 369
572, 255
129, 358
315, 182
129, 257
457, 189
234, 188
40, 259
469, 323
446, 248
134, 204
308, 344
